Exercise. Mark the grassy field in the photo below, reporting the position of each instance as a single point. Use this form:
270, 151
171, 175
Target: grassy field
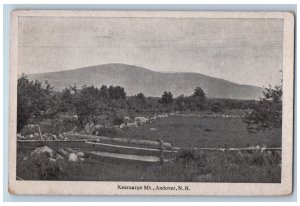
202, 132
194, 166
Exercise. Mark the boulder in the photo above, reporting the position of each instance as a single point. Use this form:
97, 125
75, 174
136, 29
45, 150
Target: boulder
73, 157
20, 137
61, 137
43, 151
54, 137
132, 124
153, 129
63, 152
140, 119
80, 154
52, 160
59, 157
48, 136
98, 126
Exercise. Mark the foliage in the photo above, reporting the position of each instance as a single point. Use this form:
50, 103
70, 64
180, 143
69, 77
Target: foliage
116, 92
167, 98
34, 101
141, 98
137, 102
268, 113
199, 98
118, 120
104, 92
217, 107
86, 102
199, 92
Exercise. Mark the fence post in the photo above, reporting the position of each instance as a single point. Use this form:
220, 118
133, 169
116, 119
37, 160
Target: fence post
40, 133
161, 151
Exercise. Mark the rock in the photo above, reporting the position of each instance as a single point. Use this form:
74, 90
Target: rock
132, 124
61, 137
73, 157
140, 119
48, 136
81, 159
153, 129
98, 126
59, 157
64, 152
19, 136
80, 154
52, 160
43, 150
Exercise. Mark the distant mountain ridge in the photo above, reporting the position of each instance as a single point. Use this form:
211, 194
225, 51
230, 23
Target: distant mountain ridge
137, 79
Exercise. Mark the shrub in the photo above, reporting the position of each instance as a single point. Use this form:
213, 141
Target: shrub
217, 107
118, 120
167, 98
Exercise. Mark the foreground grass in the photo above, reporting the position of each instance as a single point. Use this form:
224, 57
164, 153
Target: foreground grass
188, 166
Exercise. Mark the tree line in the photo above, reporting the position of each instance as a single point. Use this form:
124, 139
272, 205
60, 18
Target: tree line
92, 105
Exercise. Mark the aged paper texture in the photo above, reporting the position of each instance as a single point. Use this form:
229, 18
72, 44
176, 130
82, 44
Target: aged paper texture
151, 103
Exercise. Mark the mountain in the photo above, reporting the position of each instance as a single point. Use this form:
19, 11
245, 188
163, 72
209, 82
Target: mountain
137, 79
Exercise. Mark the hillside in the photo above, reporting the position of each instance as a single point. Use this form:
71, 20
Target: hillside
137, 79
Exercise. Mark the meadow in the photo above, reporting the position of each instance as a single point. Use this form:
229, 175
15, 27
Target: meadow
202, 132
188, 166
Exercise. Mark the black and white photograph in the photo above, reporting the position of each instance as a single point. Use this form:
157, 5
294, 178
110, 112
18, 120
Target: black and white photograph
151, 102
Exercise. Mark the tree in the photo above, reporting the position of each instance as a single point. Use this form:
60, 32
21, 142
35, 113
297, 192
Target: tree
180, 102
141, 97
217, 107
267, 114
199, 92
116, 92
87, 104
34, 101
104, 91
199, 97
167, 98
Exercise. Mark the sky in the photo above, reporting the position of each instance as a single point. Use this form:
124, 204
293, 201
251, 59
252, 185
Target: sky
244, 51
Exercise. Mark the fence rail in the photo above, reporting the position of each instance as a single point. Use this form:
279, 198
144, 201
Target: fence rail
119, 148
100, 147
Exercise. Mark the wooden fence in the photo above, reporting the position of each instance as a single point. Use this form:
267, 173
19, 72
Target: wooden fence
100, 147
